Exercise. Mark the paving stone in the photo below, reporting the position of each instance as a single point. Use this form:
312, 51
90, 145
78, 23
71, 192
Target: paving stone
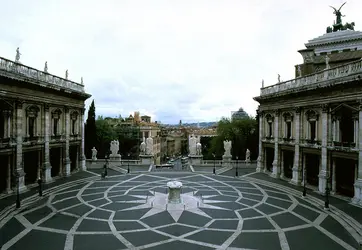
99, 214
131, 214
224, 198
192, 219
144, 237
250, 191
278, 195
177, 230
260, 241
225, 224
331, 225
159, 219
279, 203
119, 206
146, 192
92, 197
59, 197
60, 221
311, 235
257, 224
219, 214
209, 192
228, 205
79, 210
306, 213
98, 203
12, 228
88, 225
267, 209
248, 213
179, 245
94, 190
211, 237
125, 198
97, 242
286, 220
103, 184
248, 202
148, 178
253, 196
38, 214
66, 203
41, 240
127, 225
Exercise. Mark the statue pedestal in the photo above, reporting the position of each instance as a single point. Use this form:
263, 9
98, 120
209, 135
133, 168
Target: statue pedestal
94, 161
146, 159
116, 157
226, 160
247, 162
195, 159
174, 191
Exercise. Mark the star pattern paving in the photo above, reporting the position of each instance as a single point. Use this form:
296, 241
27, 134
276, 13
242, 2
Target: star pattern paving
225, 213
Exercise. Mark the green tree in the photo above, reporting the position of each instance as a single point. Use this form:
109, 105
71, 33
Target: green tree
90, 131
242, 133
105, 134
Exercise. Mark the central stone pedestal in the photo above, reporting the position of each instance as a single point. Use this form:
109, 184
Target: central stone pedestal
174, 192
226, 160
116, 157
146, 159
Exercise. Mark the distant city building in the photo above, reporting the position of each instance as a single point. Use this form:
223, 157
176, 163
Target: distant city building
240, 114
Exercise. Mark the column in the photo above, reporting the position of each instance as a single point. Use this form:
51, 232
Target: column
260, 162
67, 137
77, 157
296, 175
357, 199
8, 177
334, 130
337, 130
304, 174
82, 156
47, 174
39, 165
19, 146
333, 170
61, 153
281, 164
276, 165
324, 173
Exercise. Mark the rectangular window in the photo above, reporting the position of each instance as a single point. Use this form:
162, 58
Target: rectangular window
312, 130
289, 130
55, 126
73, 126
146, 134
270, 129
31, 126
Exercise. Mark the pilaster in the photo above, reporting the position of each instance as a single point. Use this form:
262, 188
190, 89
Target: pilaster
46, 165
296, 175
276, 163
82, 156
324, 172
260, 162
19, 168
67, 137
357, 199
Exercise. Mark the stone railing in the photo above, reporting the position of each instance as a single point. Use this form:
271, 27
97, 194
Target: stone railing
35, 76
130, 162
321, 78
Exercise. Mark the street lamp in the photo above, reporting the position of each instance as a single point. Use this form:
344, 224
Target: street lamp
128, 163
105, 167
236, 169
40, 181
214, 169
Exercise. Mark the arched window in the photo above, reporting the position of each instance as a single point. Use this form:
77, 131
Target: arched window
74, 119
31, 123
288, 120
269, 122
312, 125
56, 115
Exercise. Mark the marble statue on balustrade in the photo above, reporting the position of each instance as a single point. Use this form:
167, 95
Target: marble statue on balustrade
227, 148
149, 146
114, 147
81, 80
17, 57
94, 154
299, 71
262, 83
66, 74
247, 156
46, 67
198, 148
278, 78
192, 145
143, 147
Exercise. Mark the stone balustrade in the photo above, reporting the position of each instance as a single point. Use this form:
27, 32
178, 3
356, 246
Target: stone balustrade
17, 71
320, 78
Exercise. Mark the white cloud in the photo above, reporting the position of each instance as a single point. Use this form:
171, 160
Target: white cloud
194, 60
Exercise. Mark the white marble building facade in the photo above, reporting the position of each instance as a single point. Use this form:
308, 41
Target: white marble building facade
41, 126
311, 126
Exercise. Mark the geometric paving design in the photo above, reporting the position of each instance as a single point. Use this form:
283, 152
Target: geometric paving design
114, 213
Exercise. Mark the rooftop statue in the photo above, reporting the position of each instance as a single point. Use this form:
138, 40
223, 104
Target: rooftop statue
338, 25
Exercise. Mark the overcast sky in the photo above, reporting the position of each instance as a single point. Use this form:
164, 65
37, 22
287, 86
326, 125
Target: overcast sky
194, 60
